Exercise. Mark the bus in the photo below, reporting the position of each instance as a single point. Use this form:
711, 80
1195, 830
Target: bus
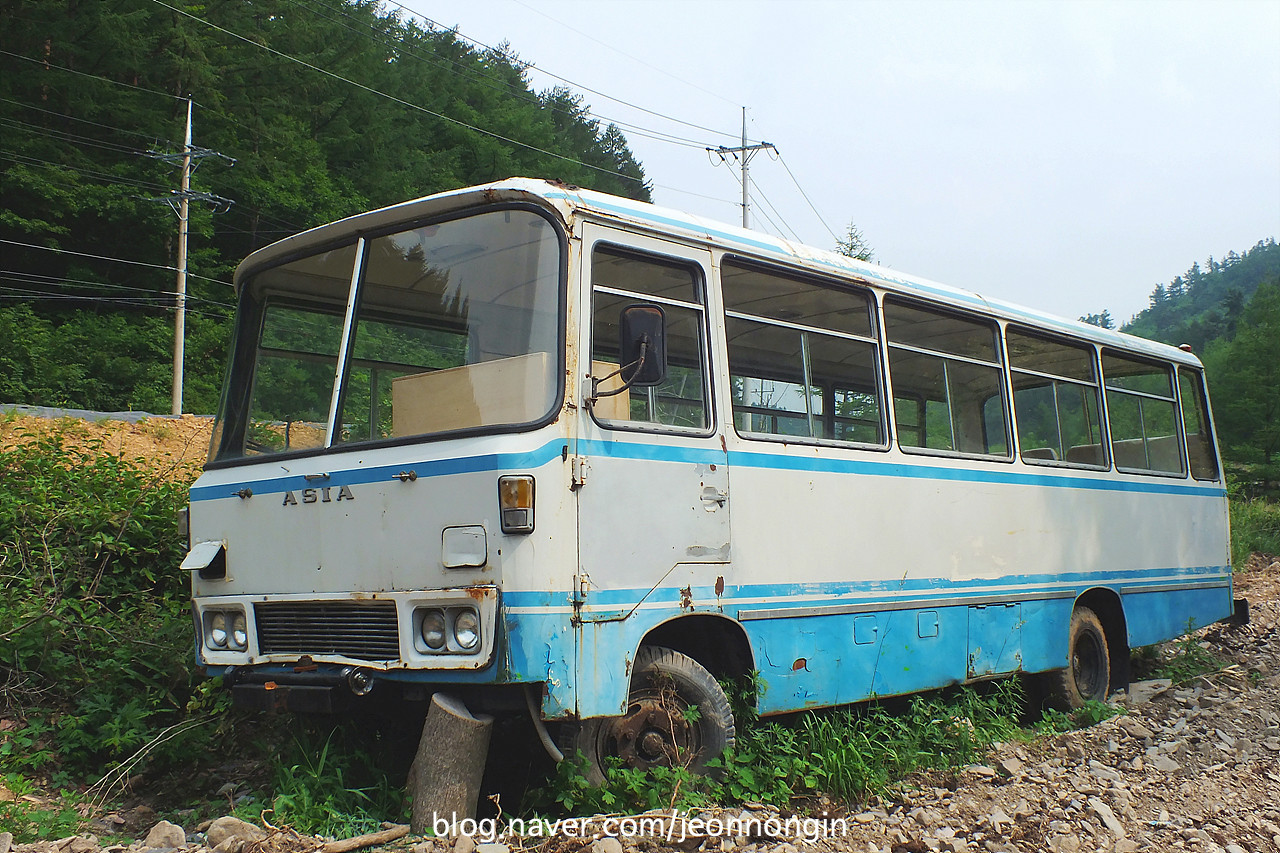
555, 450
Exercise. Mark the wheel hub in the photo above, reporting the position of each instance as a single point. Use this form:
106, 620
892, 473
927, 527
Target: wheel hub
651, 733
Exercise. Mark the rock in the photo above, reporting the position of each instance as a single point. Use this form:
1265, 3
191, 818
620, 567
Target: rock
600, 845
1144, 691
1011, 766
1104, 811
1165, 764
464, 844
166, 834
498, 847
6, 841
229, 829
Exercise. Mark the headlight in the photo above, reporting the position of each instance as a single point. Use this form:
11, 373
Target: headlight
466, 629
433, 629
218, 630
239, 632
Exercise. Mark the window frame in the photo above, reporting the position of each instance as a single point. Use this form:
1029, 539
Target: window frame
1000, 366
611, 239
874, 340
1170, 371
233, 416
1099, 391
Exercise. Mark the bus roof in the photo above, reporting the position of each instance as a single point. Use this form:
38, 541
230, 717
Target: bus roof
571, 201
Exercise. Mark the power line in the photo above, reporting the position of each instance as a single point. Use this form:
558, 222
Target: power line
107, 258
564, 80
46, 64
49, 164
64, 136
806, 198
397, 100
632, 58
51, 280
497, 84
147, 136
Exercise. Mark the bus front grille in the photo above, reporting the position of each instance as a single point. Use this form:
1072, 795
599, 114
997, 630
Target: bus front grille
364, 631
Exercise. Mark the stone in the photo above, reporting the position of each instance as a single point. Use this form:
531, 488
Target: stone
1144, 691
1165, 764
464, 844
1109, 818
166, 834
498, 847
600, 845
229, 828
6, 841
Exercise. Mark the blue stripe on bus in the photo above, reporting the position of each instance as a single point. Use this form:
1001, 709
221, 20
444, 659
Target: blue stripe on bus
735, 458
800, 595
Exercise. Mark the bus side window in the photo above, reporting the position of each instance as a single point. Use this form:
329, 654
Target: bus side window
1195, 424
1142, 415
621, 278
952, 364
1055, 400
803, 357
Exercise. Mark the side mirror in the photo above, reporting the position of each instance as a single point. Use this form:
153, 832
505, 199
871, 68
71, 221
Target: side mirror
642, 342
642, 349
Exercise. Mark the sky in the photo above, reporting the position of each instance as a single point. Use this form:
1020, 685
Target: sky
1066, 156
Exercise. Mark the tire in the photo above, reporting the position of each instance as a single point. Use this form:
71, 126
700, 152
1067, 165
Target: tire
655, 730
1088, 672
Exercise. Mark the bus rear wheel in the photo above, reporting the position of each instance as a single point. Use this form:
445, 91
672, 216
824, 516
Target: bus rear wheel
677, 716
1088, 673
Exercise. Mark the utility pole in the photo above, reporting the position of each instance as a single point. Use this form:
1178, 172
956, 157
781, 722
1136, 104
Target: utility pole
180, 307
180, 202
747, 152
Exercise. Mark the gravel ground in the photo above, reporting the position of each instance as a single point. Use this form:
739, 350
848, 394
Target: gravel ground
1194, 767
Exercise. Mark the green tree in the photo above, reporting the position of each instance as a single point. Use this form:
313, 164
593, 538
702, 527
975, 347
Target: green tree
1102, 320
1244, 377
854, 245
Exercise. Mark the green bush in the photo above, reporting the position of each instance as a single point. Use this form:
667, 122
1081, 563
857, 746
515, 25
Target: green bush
95, 636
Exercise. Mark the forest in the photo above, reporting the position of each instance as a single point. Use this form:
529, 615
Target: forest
326, 107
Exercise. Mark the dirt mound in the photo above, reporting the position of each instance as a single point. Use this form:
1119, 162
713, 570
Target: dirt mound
175, 447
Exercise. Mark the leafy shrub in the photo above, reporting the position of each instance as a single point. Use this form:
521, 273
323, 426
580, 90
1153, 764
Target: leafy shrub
95, 657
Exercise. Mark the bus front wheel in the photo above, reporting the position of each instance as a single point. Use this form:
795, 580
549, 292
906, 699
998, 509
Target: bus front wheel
1088, 672
677, 716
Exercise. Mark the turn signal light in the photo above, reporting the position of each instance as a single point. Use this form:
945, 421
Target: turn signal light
515, 502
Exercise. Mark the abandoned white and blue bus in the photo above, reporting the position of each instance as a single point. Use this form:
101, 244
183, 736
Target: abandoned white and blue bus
550, 448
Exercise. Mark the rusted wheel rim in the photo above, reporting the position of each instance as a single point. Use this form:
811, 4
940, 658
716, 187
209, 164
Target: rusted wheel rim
652, 733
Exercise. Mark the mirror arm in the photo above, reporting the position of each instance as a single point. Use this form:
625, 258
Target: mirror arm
638, 364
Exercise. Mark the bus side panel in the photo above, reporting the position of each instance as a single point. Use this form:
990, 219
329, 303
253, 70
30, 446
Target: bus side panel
1044, 635
1153, 617
606, 651
540, 648
815, 661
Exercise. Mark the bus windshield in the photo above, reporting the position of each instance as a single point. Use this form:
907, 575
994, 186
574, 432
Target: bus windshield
447, 327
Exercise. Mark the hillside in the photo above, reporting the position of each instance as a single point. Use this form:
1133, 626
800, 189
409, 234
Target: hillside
303, 111
1205, 304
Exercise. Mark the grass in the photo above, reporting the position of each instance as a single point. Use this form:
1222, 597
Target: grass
33, 820
847, 754
1255, 526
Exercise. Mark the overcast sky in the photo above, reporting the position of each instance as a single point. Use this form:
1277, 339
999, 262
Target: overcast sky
1064, 155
